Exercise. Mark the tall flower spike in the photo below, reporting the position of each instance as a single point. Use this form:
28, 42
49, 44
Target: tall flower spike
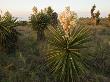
68, 19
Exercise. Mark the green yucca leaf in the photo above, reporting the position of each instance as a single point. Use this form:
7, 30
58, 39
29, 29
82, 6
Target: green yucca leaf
64, 57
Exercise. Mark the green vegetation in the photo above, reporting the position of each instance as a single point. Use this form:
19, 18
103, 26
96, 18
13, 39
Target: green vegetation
8, 35
39, 23
43, 53
64, 57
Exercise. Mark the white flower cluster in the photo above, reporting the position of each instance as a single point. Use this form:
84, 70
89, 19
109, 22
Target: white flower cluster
68, 19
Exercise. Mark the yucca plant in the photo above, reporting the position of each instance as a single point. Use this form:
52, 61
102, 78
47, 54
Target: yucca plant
39, 22
95, 17
64, 57
53, 16
8, 35
49, 11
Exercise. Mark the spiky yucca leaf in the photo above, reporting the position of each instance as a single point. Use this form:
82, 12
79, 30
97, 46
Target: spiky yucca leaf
64, 57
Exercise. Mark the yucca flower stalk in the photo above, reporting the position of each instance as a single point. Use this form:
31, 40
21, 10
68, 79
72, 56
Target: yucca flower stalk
68, 19
64, 58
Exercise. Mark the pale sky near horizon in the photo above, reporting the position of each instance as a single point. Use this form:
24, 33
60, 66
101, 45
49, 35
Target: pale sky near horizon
23, 8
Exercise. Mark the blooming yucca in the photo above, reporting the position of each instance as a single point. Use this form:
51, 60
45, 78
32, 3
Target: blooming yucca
68, 19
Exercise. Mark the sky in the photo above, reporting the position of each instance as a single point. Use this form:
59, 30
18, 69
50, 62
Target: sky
23, 8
